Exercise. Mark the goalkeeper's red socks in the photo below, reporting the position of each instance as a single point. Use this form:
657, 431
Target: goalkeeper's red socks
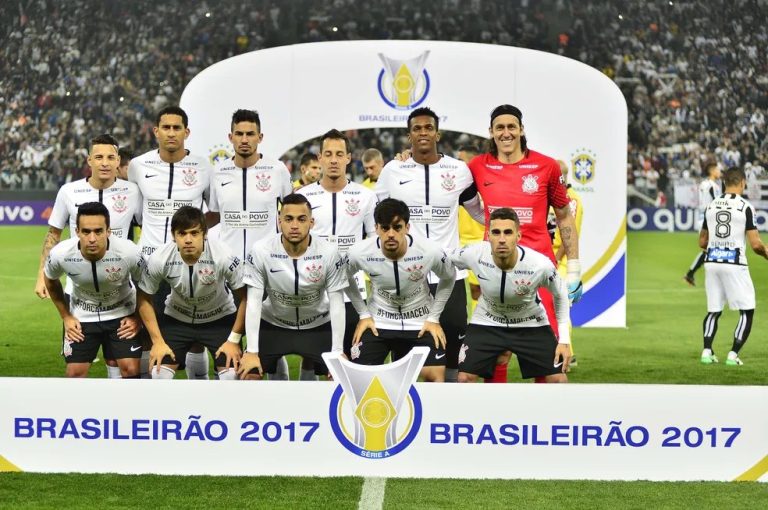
499, 374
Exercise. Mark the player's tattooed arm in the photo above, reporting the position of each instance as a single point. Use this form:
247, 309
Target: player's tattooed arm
567, 225
756, 243
52, 238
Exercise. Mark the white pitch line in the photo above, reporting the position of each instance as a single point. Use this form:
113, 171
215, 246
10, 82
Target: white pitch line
372, 495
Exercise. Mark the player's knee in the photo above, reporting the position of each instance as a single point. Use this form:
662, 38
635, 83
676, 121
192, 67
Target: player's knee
77, 370
163, 372
433, 374
556, 378
467, 378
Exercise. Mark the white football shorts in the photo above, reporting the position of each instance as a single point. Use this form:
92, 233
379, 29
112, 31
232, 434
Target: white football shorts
731, 283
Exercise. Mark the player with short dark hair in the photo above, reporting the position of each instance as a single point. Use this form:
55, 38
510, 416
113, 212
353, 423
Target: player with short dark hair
401, 309
309, 170
434, 186
202, 274
101, 309
509, 315
303, 278
731, 219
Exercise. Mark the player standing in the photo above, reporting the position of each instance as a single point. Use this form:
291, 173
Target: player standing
512, 175
731, 220
509, 315
342, 211
101, 309
303, 278
434, 186
709, 189
401, 309
199, 307
169, 178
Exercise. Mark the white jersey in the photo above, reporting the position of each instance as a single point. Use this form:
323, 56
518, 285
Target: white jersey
708, 191
122, 199
247, 201
198, 292
296, 289
166, 187
433, 194
101, 290
400, 297
509, 298
727, 219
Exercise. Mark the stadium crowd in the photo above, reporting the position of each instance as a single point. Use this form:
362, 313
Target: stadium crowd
694, 73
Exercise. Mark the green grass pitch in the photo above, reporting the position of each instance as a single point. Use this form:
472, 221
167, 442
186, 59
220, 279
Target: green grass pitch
660, 345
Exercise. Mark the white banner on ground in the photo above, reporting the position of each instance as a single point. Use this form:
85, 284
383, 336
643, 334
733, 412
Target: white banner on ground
600, 432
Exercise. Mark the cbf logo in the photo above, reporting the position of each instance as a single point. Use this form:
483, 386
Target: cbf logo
583, 164
218, 153
376, 412
403, 84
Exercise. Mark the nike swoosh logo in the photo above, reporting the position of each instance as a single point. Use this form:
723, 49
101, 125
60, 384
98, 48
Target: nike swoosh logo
479, 277
462, 337
439, 356
372, 275
486, 183
404, 182
135, 348
557, 365
172, 277
148, 176
225, 183
72, 274
276, 270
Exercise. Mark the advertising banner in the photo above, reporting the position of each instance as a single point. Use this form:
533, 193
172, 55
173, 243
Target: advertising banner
31, 212
677, 220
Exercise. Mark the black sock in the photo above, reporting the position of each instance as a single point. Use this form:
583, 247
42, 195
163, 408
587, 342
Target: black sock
743, 328
710, 328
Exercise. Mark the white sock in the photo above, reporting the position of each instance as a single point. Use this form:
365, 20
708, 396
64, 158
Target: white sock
227, 374
197, 365
706, 352
113, 372
144, 365
282, 373
163, 373
732, 355
451, 375
308, 375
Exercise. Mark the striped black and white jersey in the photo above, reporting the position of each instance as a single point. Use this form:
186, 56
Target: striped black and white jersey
400, 297
296, 288
165, 187
509, 298
708, 191
247, 200
122, 199
433, 194
101, 290
200, 293
727, 219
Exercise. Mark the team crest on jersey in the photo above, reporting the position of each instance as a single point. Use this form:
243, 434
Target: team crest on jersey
463, 353
190, 176
403, 84
523, 287
530, 184
353, 207
67, 348
355, 350
415, 272
206, 275
314, 272
449, 181
118, 203
263, 181
114, 273
583, 164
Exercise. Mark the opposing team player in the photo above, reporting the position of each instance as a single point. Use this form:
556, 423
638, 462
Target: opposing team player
512, 175
373, 163
202, 274
729, 222
401, 310
246, 189
303, 278
168, 178
342, 211
509, 315
309, 170
709, 189
102, 305
434, 186
122, 199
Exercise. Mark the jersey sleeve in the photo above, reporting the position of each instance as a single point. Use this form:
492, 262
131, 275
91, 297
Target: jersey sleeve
286, 188
336, 276
213, 198
460, 257
369, 224
233, 270
557, 194
382, 185
153, 273
253, 273
442, 265
749, 214
138, 207
133, 171
136, 263
60, 212
53, 267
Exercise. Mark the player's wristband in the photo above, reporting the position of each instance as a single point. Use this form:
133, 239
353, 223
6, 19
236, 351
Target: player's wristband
234, 338
574, 268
